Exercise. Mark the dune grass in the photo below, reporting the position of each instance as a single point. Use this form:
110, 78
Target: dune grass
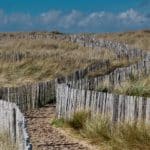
133, 87
138, 39
27, 61
100, 131
114, 64
6, 143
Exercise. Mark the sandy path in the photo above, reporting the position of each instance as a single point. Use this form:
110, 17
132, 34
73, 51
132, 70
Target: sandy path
44, 136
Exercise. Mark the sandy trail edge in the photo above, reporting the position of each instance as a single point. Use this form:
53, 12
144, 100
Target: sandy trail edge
45, 137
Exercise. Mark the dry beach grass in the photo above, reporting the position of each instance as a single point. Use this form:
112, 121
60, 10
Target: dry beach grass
133, 86
138, 39
107, 136
26, 61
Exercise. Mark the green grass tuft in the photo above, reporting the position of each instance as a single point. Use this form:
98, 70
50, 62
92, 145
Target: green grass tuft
79, 119
58, 122
97, 129
132, 87
101, 131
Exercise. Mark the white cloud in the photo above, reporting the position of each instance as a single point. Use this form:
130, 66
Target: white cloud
132, 16
49, 17
3, 17
92, 18
70, 19
75, 21
103, 18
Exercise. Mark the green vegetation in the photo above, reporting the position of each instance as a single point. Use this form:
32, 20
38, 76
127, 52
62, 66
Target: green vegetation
58, 122
134, 87
79, 119
6, 143
102, 132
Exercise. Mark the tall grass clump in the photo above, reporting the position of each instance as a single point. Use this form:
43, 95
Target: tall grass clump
79, 119
101, 131
97, 129
131, 136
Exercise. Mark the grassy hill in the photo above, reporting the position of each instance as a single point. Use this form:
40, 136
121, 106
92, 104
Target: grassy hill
139, 39
25, 61
33, 60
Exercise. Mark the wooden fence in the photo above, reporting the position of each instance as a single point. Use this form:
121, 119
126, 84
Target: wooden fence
81, 39
113, 78
13, 122
116, 107
36, 95
75, 92
117, 47
30, 96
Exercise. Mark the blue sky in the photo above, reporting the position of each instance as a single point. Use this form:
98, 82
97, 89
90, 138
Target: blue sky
74, 15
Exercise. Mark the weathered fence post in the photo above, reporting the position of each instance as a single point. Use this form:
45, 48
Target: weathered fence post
14, 124
30, 147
